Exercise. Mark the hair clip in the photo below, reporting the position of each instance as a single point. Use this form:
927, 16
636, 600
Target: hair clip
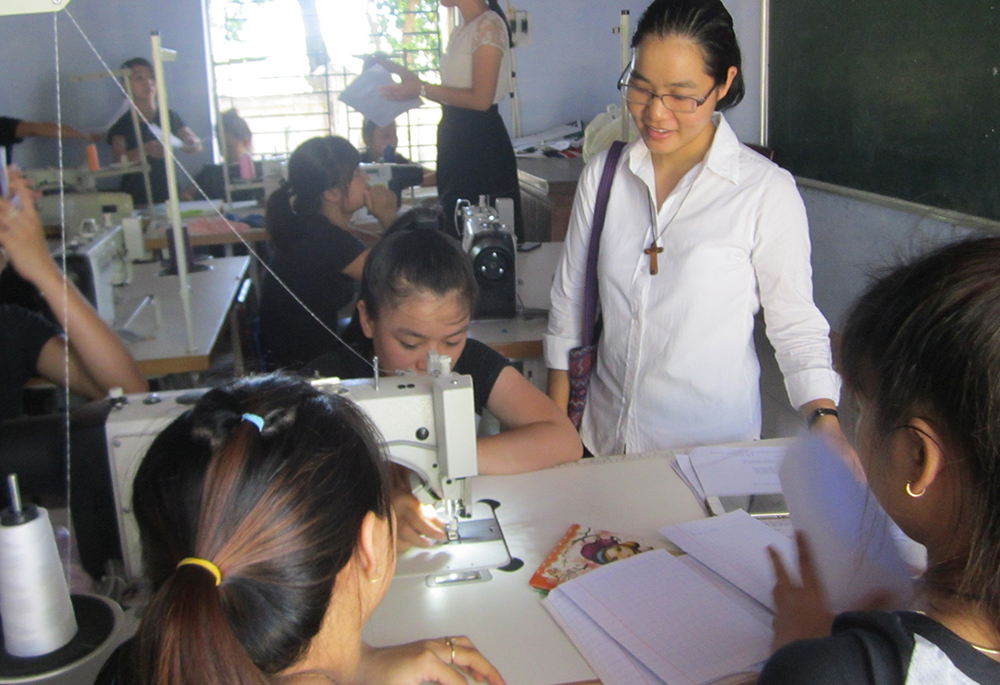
255, 420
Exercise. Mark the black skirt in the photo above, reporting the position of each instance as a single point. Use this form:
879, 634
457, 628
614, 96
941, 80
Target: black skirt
475, 157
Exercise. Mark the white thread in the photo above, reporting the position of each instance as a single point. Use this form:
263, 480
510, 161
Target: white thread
34, 599
65, 283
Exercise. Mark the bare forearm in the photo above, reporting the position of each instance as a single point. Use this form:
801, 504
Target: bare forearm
529, 448
47, 130
558, 388
102, 355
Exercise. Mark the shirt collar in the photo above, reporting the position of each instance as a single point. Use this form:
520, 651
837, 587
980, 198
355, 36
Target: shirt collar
723, 156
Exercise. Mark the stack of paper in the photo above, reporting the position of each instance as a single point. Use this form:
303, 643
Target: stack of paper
723, 471
735, 546
654, 618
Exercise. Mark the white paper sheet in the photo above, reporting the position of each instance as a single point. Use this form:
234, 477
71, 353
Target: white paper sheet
738, 470
682, 467
363, 95
679, 625
850, 535
735, 546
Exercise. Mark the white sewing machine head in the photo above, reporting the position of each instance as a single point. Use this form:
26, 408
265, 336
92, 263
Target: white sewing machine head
428, 423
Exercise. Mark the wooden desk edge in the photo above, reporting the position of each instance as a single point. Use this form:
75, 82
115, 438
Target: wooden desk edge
522, 349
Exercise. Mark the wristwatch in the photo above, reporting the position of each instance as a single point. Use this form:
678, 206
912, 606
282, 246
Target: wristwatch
819, 412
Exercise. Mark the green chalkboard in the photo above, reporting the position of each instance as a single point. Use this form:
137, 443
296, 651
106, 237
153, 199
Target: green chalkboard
896, 97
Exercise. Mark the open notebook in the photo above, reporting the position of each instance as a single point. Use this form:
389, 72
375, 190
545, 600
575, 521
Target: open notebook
655, 618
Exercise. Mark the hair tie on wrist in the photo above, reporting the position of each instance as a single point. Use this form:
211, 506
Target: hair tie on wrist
205, 564
255, 420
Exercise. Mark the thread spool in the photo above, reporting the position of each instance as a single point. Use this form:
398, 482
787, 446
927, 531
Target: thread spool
93, 161
35, 606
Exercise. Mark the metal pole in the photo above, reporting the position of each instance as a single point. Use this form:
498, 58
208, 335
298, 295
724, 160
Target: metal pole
173, 205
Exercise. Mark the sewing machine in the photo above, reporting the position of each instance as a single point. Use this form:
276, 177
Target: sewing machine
488, 238
429, 426
96, 263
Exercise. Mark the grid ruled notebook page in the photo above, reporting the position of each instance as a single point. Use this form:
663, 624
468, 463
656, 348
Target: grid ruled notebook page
613, 664
677, 623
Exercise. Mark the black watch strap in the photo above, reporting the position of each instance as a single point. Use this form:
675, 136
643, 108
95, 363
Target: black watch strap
818, 412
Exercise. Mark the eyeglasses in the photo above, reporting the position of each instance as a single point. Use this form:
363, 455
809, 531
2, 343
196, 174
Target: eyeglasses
685, 104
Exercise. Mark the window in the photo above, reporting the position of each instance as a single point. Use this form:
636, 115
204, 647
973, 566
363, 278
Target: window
283, 64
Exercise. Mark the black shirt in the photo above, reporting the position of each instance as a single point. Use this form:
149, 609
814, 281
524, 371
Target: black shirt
311, 265
133, 184
8, 135
478, 360
22, 336
880, 648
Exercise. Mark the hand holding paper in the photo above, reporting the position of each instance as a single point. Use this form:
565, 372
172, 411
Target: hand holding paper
365, 95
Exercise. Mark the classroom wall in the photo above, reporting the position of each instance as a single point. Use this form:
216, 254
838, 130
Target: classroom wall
116, 30
855, 236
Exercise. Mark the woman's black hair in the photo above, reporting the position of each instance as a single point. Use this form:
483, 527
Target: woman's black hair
368, 127
316, 166
277, 509
709, 24
138, 62
410, 258
235, 125
495, 6
924, 341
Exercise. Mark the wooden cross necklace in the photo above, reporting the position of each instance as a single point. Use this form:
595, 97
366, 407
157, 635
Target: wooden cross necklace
654, 249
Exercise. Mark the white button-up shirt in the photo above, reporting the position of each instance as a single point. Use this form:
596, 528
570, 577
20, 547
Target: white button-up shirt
676, 359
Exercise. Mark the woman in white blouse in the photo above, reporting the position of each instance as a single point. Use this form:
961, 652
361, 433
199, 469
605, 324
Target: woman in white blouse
475, 156
700, 233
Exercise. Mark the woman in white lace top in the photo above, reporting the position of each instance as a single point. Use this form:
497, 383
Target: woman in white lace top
475, 156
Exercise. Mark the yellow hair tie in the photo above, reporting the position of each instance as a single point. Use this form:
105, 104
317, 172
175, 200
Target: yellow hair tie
205, 564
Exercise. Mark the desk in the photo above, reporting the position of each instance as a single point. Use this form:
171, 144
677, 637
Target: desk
636, 494
517, 338
548, 186
207, 231
212, 294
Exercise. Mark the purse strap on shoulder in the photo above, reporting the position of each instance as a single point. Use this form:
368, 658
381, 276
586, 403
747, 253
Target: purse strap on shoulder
600, 210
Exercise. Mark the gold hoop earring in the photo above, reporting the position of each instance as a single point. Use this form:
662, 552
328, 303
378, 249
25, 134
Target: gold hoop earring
914, 495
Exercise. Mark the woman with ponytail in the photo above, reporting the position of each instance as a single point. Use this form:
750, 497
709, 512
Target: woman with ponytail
267, 534
316, 261
474, 153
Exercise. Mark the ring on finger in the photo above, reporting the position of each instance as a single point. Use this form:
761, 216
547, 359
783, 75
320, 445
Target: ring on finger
450, 641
